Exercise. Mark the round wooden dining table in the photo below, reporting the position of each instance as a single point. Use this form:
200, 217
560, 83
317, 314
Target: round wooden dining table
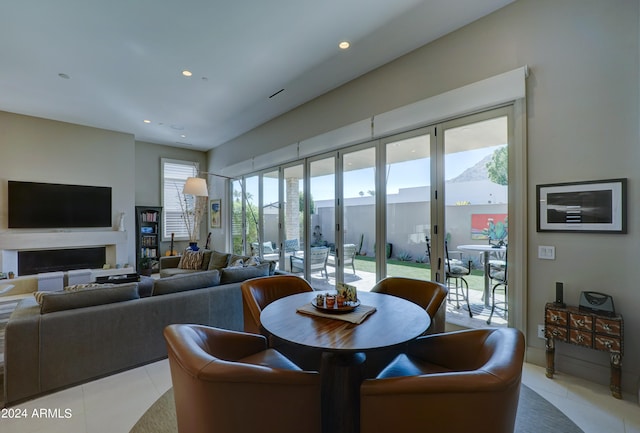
344, 345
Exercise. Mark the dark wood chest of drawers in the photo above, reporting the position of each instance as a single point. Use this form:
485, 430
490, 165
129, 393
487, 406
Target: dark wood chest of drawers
586, 329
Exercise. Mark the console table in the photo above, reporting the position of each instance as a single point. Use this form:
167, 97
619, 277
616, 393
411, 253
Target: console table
586, 329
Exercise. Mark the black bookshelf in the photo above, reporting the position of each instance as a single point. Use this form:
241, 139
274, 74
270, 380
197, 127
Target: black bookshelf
148, 232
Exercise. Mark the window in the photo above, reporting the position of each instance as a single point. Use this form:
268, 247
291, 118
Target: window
174, 176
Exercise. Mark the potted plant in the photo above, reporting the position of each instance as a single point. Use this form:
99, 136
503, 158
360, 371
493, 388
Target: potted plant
146, 263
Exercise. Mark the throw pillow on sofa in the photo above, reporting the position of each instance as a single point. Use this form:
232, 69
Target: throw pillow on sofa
191, 260
59, 301
218, 260
184, 282
236, 275
84, 286
255, 260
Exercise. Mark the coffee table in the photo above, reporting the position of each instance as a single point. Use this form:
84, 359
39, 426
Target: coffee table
344, 345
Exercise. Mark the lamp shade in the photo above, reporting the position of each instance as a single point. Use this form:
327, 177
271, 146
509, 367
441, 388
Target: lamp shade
196, 186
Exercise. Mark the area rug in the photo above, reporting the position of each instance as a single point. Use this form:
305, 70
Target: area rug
535, 415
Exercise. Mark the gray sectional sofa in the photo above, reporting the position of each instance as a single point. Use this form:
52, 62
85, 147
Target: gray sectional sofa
80, 336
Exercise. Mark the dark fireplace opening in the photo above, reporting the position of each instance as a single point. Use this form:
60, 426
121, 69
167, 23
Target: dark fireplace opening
34, 262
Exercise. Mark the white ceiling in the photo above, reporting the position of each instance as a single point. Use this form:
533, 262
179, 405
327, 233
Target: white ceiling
124, 58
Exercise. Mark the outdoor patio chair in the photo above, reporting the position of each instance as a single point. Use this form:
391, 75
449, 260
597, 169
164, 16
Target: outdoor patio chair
349, 256
498, 274
291, 246
456, 382
317, 261
457, 272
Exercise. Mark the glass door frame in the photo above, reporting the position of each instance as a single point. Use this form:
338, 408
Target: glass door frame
381, 196
517, 208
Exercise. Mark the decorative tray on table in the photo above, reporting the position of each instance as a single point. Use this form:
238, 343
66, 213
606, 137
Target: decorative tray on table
346, 308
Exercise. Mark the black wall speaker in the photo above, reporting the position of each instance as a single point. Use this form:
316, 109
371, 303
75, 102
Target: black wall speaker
559, 296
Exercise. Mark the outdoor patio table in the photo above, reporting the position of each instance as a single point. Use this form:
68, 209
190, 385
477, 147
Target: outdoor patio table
344, 345
486, 251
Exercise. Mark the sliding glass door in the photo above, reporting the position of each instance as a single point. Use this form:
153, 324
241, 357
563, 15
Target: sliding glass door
321, 225
407, 181
476, 196
410, 205
356, 262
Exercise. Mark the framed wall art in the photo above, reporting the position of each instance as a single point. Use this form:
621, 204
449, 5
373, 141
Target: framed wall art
592, 206
215, 213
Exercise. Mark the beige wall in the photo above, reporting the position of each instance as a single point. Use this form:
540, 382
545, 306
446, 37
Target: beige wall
582, 121
148, 181
40, 150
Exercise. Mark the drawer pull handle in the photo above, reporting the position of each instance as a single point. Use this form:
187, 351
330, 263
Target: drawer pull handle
580, 338
554, 318
555, 332
580, 322
606, 327
608, 344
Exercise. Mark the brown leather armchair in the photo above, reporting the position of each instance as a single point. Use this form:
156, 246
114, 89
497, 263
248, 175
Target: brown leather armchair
465, 381
257, 293
428, 294
229, 382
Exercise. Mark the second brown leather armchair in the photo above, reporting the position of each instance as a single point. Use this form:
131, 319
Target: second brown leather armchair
428, 294
257, 293
229, 382
465, 381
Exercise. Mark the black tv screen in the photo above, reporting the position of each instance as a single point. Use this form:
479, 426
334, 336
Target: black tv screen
50, 205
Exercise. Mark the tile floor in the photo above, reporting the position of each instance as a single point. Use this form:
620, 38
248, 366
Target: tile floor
114, 404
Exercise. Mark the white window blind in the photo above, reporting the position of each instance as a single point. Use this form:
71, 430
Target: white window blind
174, 176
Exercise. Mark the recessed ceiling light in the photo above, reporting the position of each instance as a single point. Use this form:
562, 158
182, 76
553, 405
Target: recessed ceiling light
344, 45
183, 136
187, 73
147, 121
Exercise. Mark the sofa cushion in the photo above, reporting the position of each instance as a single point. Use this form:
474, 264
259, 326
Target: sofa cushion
184, 282
191, 260
69, 300
206, 258
238, 274
218, 260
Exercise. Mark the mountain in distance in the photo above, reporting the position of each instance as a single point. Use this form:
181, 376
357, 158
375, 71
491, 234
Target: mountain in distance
474, 173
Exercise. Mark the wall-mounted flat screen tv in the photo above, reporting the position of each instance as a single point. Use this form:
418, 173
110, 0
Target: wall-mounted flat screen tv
50, 205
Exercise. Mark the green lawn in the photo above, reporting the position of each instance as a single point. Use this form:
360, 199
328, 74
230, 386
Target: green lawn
421, 271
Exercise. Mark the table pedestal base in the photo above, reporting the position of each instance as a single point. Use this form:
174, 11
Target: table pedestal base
342, 374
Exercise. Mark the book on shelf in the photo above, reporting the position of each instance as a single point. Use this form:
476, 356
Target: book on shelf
149, 216
149, 252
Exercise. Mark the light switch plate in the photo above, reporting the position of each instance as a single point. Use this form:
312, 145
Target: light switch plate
546, 252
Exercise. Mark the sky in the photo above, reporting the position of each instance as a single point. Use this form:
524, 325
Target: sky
401, 175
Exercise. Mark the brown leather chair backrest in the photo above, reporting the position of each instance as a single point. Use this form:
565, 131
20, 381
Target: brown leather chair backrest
430, 295
257, 293
455, 382
228, 382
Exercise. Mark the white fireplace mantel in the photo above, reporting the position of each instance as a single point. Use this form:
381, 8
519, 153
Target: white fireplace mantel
13, 241
60, 239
